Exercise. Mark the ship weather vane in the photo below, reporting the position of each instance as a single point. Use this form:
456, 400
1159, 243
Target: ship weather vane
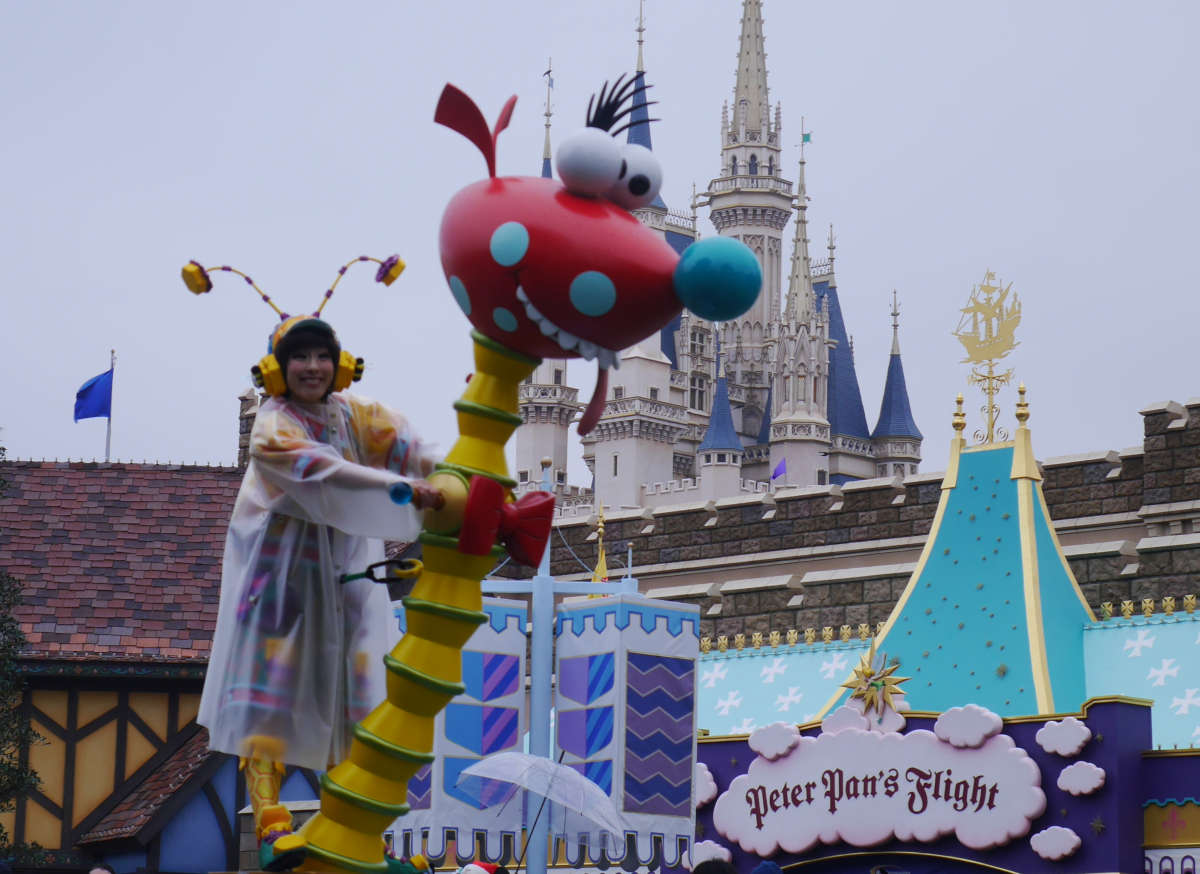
987, 330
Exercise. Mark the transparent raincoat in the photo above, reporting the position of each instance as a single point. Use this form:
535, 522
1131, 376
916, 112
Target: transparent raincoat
297, 654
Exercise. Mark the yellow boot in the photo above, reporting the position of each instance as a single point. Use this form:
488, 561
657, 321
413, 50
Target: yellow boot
279, 848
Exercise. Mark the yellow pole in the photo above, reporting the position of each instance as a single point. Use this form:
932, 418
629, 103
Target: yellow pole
361, 796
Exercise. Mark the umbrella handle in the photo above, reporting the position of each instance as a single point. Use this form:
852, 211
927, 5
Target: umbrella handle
533, 827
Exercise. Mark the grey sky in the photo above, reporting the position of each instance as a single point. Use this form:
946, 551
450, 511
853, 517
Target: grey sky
1053, 142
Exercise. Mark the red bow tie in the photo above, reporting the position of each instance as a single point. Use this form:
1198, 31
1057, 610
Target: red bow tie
522, 527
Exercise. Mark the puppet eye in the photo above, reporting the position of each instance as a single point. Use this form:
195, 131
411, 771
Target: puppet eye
639, 180
589, 162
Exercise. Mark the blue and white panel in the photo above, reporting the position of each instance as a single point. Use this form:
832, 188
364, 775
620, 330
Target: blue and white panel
625, 719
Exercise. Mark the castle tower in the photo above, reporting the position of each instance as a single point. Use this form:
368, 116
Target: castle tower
548, 403
896, 438
719, 455
751, 201
799, 436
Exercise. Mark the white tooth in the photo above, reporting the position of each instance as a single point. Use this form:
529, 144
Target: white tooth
547, 327
567, 341
521, 295
587, 350
531, 311
604, 358
616, 360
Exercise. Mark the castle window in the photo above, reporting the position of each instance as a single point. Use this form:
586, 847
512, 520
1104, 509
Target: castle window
708, 458
698, 392
771, 166
754, 165
720, 458
523, 476
614, 466
653, 394
786, 394
822, 477
560, 477
801, 388
697, 341
618, 392
733, 166
558, 376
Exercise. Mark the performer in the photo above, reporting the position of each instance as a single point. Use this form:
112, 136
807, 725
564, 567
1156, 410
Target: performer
297, 653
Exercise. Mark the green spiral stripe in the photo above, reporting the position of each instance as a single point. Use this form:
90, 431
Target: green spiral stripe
423, 679
445, 610
395, 751
337, 790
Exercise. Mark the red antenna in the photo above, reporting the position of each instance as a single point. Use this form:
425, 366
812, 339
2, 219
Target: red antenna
458, 112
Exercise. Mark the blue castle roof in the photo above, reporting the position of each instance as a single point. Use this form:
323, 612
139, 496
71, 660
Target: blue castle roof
639, 133
721, 435
895, 414
846, 415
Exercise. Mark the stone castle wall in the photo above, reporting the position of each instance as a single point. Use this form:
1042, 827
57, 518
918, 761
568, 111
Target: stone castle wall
829, 557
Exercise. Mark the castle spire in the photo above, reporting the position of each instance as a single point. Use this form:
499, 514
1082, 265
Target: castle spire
751, 105
800, 294
641, 29
895, 412
547, 173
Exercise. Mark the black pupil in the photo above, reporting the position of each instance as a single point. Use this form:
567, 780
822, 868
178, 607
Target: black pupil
639, 184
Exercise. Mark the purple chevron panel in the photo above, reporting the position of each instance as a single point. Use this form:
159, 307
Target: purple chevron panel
658, 734
419, 795
659, 678
645, 724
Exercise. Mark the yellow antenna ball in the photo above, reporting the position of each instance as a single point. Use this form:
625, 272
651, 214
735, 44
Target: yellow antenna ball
196, 278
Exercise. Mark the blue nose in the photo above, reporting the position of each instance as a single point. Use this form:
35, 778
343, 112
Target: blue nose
718, 278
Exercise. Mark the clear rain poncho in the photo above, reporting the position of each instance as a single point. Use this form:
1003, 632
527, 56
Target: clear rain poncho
297, 654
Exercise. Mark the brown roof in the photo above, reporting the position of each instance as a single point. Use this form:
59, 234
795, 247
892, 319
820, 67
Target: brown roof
138, 808
116, 561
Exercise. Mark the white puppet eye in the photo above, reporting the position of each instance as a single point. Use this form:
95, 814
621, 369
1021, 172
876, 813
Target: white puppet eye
639, 179
589, 162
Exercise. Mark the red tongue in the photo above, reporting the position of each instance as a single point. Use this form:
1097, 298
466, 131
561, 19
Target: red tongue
596, 405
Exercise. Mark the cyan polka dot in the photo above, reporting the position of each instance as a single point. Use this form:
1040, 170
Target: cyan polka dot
504, 319
509, 243
460, 294
593, 293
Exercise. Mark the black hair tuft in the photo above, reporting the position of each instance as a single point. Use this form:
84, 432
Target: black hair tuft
608, 105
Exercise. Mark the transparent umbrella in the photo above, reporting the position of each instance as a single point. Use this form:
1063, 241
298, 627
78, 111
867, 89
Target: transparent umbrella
553, 781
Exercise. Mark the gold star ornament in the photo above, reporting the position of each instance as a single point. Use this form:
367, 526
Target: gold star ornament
874, 683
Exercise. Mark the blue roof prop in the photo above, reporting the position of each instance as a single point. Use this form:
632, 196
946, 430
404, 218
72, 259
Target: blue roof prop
845, 408
895, 413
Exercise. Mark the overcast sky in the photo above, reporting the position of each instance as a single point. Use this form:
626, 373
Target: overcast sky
1056, 143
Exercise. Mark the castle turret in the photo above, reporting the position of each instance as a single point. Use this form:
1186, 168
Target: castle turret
548, 403
800, 436
719, 454
896, 438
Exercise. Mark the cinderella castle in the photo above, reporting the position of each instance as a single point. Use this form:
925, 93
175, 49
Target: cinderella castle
712, 410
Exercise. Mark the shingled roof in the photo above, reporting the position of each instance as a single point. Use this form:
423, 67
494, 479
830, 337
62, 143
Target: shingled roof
117, 562
138, 808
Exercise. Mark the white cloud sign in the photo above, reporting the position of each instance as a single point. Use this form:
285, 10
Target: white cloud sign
704, 786
774, 740
863, 788
1055, 843
1063, 737
702, 851
1081, 778
967, 726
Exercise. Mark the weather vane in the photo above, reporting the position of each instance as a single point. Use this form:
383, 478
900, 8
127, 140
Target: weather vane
987, 331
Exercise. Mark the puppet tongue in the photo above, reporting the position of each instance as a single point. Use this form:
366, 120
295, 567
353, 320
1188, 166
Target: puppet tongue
596, 405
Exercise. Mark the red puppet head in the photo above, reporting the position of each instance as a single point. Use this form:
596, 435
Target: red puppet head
563, 269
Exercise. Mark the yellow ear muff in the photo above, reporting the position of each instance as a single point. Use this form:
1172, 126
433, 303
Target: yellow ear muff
349, 369
268, 376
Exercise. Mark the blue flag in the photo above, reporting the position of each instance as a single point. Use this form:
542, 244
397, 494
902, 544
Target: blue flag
780, 469
94, 398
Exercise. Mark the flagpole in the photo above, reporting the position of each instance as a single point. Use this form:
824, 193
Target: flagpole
112, 365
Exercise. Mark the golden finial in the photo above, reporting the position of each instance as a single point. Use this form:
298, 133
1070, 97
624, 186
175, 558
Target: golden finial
987, 331
810, 635
793, 636
774, 638
706, 644
1169, 605
756, 640
827, 634
739, 641
722, 642
1022, 405
873, 682
1189, 603
959, 421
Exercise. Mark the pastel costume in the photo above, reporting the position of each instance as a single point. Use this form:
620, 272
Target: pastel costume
297, 654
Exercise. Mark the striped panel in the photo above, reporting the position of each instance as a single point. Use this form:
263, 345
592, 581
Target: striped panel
490, 675
586, 678
420, 795
480, 728
599, 772
586, 731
